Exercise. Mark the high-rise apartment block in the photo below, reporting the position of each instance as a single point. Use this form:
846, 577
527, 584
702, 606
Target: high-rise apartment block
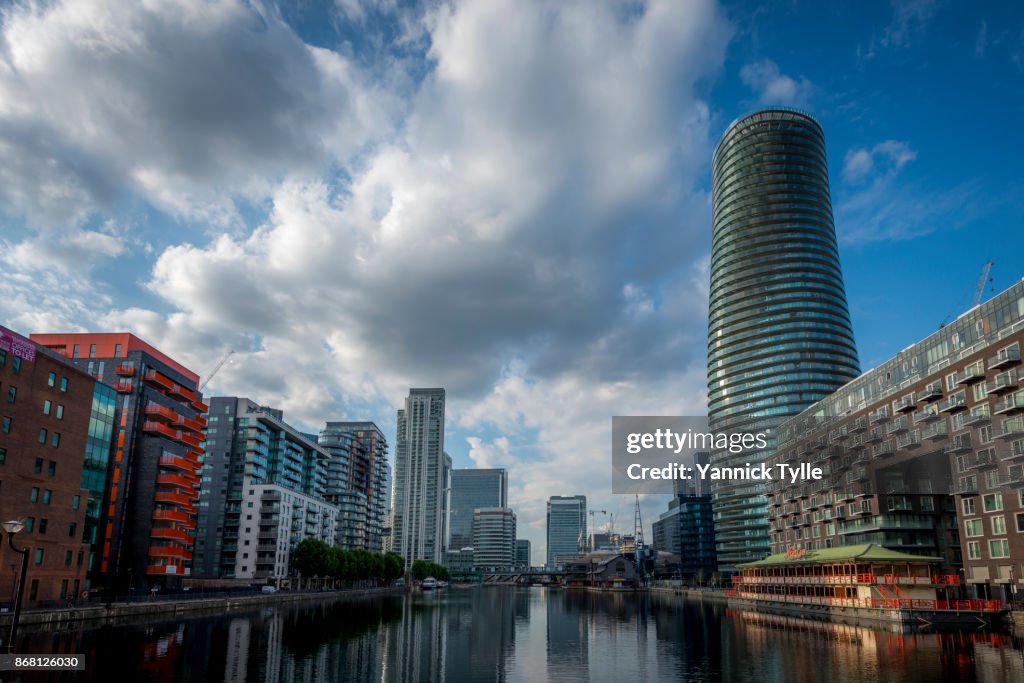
150, 515
566, 529
422, 476
56, 436
473, 489
264, 487
779, 333
924, 453
358, 482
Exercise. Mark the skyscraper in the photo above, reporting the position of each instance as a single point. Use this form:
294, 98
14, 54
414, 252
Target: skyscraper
358, 477
494, 538
567, 528
779, 333
422, 473
473, 489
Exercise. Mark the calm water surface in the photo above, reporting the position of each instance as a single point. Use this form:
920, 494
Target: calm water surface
506, 634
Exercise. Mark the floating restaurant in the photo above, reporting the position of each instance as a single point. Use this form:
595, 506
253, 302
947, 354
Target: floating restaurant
861, 583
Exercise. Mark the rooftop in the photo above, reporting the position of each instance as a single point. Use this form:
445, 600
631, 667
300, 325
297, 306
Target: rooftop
866, 552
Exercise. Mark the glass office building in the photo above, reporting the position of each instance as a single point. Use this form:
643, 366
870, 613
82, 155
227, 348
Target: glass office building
473, 489
779, 333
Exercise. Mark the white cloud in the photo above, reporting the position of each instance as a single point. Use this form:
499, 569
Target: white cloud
530, 236
910, 18
775, 88
886, 158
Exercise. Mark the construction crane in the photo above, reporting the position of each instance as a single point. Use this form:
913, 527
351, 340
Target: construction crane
216, 368
983, 279
593, 529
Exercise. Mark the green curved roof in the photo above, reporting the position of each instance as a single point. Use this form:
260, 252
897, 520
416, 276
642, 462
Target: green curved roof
866, 552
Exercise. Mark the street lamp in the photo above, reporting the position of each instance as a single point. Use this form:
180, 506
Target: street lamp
12, 527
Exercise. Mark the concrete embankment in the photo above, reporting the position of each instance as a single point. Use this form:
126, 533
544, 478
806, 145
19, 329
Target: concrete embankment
122, 612
693, 593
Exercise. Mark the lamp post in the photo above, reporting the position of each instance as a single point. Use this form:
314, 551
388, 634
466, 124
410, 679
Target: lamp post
13, 527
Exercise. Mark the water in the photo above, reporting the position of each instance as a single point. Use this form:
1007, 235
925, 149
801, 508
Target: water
506, 634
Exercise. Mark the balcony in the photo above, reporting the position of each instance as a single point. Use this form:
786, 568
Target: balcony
983, 460
899, 425
839, 434
882, 450
172, 534
904, 404
123, 386
967, 486
160, 380
1012, 428
929, 414
909, 440
1005, 358
931, 392
173, 498
859, 425
185, 481
879, 415
156, 411
979, 416
874, 436
170, 551
936, 431
954, 404
172, 516
188, 423
1014, 403
972, 374
961, 443
1014, 477
125, 369
1003, 382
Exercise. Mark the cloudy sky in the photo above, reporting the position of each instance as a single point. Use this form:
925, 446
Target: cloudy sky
509, 199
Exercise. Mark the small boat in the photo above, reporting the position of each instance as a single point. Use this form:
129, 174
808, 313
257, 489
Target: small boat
429, 583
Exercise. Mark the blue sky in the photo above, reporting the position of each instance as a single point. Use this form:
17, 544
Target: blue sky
508, 199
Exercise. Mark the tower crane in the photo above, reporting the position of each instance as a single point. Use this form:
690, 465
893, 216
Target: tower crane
983, 279
216, 368
593, 528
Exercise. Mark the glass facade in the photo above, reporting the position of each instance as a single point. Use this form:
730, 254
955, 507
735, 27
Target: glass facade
779, 333
98, 447
473, 489
567, 527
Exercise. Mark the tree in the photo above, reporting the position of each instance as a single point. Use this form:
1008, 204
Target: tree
312, 558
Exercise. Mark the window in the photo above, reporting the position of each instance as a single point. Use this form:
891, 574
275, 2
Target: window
92, 350
974, 550
974, 527
34, 494
993, 502
39, 558
927, 503
33, 589
42, 525
12, 392
47, 496
1020, 521
72, 529
74, 351
51, 469
999, 525
999, 548
78, 561
3, 455
42, 436
38, 466
75, 502
968, 506
51, 379
64, 384
55, 439
117, 350
60, 412
16, 364
6, 424
46, 407
68, 556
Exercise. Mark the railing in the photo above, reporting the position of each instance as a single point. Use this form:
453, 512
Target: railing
877, 603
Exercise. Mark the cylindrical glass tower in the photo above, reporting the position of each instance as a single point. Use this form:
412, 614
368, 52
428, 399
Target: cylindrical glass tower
779, 333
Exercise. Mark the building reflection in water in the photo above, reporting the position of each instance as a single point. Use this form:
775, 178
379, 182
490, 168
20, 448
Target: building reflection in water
503, 634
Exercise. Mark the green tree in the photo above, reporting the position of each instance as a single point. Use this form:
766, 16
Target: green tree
312, 558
